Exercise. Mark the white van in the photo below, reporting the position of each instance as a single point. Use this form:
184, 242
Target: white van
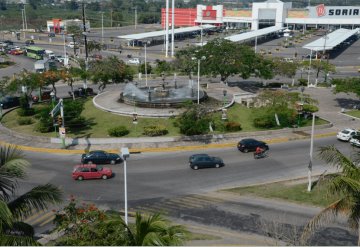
50, 54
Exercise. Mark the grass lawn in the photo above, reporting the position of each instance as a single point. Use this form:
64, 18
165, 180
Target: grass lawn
293, 192
102, 121
354, 113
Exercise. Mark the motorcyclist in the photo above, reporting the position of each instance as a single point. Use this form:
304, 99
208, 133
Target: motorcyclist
259, 150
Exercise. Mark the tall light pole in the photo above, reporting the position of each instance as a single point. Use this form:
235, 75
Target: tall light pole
135, 21
172, 26
311, 153
198, 84
167, 29
146, 79
308, 84
66, 61
102, 28
125, 154
85, 41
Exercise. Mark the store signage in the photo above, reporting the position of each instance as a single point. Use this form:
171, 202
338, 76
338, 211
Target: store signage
322, 11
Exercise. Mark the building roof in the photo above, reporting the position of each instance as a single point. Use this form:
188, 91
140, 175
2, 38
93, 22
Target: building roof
140, 36
329, 41
252, 34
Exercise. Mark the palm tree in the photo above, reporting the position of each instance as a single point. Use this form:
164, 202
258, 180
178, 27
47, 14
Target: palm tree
14, 209
154, 230
346, 185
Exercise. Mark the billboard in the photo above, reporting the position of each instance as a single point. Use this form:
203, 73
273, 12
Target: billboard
323, 11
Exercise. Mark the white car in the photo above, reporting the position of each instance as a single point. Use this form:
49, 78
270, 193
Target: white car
355, 141
346, 134
134, 61
73, 45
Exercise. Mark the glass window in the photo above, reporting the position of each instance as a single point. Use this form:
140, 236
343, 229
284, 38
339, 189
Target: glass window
84, 169
93, 170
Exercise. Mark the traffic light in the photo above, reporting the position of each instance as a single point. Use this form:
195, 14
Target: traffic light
59, 120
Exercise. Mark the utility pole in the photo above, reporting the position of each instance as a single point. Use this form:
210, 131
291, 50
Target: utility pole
135, 16
85, 39
146, 79
26, 27
102, 28
111, 17
311, 153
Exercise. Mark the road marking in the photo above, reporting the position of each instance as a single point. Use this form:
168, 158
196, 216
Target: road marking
165, 149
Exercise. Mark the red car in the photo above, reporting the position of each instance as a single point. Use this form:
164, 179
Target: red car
82, 172
15, 52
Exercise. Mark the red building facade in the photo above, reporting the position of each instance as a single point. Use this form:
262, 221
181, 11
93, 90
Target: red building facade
182, 17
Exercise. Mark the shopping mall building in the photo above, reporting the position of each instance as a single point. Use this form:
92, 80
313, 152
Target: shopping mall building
266, 14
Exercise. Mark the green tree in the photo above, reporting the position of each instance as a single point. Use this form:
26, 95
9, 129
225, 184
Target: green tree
15, 208
347, 85
93, 46
320, 66
185, 61
226, 58
345, 184
3, 5
284, 68
194, 121
162, 67
148, 68
110, 70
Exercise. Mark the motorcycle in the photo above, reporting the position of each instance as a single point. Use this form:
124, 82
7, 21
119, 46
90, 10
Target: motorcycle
261, 155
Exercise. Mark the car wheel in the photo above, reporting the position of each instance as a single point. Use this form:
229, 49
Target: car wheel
217, 165
195, 167
112, 162
104, 177
89, 162
246, 150
80, 178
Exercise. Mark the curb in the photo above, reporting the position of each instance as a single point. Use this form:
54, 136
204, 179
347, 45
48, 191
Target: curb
166, 149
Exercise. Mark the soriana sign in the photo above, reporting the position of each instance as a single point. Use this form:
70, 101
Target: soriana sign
322, 11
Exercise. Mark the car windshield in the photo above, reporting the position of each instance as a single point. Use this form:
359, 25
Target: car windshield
345, 132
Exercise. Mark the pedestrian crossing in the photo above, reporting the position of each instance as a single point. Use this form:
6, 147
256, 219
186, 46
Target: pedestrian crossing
174, 205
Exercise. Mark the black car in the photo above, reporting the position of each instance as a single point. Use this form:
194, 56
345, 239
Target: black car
29, 42
100, 157
250, 145
81, 92
9, 101
205, 161
51, 34
9, 42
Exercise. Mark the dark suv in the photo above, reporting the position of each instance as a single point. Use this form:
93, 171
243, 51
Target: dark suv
100, 157
250, 145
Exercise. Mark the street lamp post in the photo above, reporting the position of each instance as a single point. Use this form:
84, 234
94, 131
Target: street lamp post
52, 95
311, 153
198, 84
224, 93
125, 154
1, 108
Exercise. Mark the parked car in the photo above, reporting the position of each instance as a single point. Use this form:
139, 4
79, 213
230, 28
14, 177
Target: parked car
45, 95
100, 157
29, 42
9, 102
355, 141
205, 161
346, 134
250, 145
9, 42
82, 92
51, 35
15, 52
81, 172
134, 60
73, 45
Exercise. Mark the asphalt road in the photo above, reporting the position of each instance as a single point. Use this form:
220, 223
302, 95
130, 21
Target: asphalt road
165, 175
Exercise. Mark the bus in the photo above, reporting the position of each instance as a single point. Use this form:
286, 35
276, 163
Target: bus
35, 52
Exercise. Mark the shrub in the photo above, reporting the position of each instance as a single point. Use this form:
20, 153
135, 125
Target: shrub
25, 121
302, 82
310, 108
45, 123
23, 112
232, 126
264, 123
158, 130
118, 131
